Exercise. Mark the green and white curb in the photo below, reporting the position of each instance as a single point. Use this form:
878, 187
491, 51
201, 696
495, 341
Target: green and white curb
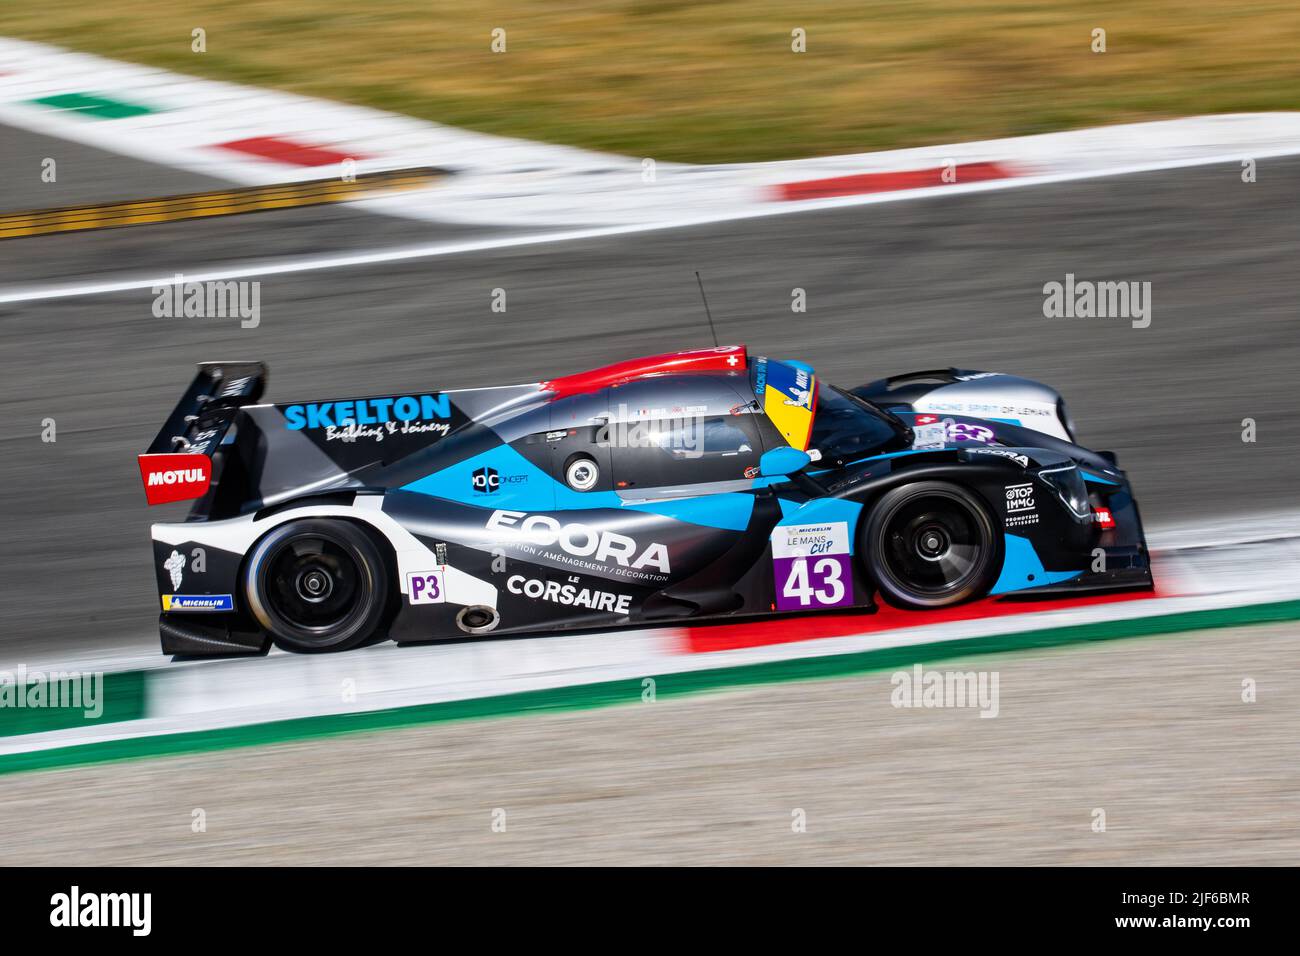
626, 690
164, 708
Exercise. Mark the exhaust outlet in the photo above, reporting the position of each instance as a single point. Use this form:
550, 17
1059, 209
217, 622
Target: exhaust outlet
477, 619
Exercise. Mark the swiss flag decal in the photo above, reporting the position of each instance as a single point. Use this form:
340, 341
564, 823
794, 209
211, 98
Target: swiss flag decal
170, 478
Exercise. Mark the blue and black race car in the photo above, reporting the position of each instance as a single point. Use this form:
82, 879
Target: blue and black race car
704, 484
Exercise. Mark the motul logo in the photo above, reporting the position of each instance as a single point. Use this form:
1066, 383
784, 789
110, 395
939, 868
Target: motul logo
174, 477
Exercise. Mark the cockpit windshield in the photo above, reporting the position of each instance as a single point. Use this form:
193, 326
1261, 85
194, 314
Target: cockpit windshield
846, 428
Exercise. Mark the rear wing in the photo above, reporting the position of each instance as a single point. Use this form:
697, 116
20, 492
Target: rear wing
178, 465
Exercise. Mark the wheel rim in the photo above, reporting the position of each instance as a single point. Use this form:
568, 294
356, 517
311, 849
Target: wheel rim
312, 582
933, 546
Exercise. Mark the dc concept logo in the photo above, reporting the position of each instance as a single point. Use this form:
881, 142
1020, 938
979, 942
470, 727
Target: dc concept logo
486, 481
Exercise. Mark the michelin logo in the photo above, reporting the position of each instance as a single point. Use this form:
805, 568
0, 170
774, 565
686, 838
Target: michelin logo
198, 602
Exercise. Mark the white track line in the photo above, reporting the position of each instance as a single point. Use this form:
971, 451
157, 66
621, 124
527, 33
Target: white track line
109, 286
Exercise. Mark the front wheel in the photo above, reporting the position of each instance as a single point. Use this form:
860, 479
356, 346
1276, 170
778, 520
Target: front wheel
317, 585
930, 545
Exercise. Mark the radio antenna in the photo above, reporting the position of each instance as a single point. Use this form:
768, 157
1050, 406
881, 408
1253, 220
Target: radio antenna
700, 282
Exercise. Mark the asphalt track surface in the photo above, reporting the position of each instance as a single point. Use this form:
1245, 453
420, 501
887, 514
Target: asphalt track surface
1153, 732
890, 288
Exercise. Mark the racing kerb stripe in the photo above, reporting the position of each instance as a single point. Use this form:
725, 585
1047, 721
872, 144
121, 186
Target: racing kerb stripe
225, 202
281, 150
586, 696
93, 105
865, 183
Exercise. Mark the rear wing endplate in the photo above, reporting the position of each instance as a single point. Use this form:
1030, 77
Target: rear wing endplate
178, 465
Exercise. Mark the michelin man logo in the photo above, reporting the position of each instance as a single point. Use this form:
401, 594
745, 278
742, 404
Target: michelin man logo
802, 398
175, 565
802, 390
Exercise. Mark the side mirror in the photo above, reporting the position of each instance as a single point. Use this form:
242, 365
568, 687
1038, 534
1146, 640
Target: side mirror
780, 462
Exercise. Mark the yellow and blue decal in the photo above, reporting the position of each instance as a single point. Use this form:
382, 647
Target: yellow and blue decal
788, 393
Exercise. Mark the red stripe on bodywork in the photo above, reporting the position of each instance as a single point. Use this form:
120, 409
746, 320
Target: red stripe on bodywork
728, 637
889, 182
723, 358
287, 151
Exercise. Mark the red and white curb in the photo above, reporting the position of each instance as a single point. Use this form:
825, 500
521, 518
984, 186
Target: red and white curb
254, 137
1256, 567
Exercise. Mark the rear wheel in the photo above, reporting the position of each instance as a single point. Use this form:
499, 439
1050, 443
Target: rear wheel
929, 545
317, 585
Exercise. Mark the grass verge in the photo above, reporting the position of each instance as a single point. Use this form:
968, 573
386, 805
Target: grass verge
719, 82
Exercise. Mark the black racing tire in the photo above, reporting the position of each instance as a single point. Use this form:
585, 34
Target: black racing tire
929, 545
317, 585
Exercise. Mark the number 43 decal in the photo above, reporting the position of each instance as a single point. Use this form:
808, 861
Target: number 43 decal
821, 585
810, 566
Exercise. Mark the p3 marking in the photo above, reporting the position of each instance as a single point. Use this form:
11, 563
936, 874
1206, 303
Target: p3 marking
426, 587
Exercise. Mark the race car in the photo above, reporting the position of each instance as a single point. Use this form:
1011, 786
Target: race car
706, 484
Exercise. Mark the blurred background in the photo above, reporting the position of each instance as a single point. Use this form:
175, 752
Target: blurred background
545, 127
